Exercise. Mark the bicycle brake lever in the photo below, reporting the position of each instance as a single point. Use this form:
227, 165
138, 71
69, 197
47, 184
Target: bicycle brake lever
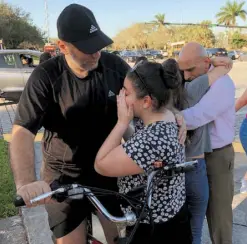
47, 194
76, 193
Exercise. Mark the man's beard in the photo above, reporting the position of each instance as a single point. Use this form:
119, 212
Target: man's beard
85, 65
93, 67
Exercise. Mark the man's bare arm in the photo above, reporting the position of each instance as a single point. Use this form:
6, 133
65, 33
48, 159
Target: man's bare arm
22, 156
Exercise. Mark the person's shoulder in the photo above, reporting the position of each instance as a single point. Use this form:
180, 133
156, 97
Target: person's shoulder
196, 80
225, 81
113, 62
56, 63
163, 126
52, 68
47, 72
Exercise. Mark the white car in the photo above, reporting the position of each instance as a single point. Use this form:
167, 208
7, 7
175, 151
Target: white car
13, 74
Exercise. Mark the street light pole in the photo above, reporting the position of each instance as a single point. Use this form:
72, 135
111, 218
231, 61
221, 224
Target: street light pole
47, 22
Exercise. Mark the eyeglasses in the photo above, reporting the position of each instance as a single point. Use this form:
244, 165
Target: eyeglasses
134, 69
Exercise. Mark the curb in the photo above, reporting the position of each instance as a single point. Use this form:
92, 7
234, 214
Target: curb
35, 219
238, 147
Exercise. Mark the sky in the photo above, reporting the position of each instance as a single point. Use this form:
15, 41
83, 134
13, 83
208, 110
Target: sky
114, 15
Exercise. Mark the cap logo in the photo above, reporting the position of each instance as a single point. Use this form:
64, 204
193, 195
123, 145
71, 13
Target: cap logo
111, 94
93, 29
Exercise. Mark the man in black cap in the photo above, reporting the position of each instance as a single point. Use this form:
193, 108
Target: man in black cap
73, 96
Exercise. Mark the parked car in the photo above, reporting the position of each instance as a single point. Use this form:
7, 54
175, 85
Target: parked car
13, 73
234, 54
216, 52
147, 53
243, 56
130, 56
175, 54
155, 54
165, 53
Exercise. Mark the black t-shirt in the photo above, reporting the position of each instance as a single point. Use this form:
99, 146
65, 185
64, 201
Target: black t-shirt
77, 114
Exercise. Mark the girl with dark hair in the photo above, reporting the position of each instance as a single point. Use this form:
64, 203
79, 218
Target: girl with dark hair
198, 141
147, 93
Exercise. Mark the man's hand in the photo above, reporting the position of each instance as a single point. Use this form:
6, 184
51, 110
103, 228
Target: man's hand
222, 61
182, 128
32, 190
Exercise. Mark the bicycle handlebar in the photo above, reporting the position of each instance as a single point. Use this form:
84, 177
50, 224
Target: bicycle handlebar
128, 219
19, 202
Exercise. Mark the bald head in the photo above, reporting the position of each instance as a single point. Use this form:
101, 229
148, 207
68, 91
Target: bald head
193, 50
193, 60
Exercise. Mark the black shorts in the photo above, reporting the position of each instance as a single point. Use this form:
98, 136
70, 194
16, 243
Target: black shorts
67, 216
175, 231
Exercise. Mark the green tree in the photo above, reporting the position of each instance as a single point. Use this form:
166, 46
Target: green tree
158, 39
206, 22
238, 40
159, 19
133, 37
221, 39
16, 27
143, 35
201, 34
228, 14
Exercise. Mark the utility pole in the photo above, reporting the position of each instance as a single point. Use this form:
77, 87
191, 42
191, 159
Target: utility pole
47, 22
1, 40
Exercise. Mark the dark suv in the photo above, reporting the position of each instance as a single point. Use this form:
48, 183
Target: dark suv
216, 52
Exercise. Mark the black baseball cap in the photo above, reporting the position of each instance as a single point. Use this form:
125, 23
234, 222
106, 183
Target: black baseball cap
78, 26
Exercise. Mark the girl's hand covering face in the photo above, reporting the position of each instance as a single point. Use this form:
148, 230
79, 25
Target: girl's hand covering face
125, 112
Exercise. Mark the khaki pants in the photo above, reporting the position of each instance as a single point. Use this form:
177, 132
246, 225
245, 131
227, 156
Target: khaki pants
220, 168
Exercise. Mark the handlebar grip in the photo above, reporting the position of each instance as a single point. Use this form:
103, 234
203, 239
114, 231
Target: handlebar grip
19, 202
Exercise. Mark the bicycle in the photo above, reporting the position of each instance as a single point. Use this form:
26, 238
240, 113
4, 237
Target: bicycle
77, 191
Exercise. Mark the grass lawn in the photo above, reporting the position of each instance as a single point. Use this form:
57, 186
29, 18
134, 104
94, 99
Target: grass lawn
7, 187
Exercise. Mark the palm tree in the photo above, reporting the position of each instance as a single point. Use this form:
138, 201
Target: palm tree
230, 12
159, 19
